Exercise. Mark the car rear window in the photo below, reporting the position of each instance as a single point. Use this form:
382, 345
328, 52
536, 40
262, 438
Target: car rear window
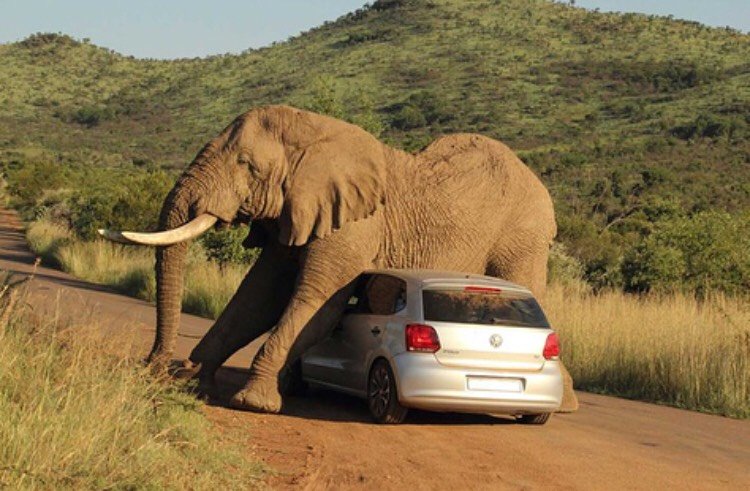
482, 307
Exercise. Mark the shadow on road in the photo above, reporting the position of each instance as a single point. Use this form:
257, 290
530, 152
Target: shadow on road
326, 405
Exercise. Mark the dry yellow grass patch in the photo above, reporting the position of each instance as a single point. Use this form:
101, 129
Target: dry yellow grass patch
130, 269
670, 348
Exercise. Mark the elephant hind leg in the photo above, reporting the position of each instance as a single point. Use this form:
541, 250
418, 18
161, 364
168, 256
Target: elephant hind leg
524, 267
531, 271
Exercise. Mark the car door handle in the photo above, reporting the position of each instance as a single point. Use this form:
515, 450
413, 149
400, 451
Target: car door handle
375, 330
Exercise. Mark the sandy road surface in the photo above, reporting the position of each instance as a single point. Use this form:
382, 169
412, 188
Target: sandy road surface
325, 441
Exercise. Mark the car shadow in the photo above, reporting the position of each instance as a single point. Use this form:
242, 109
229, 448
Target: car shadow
327, 405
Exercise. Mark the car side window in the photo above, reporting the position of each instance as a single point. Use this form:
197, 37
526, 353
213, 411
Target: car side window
378, 294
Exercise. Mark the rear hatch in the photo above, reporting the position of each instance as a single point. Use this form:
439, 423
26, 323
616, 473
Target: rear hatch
486, 327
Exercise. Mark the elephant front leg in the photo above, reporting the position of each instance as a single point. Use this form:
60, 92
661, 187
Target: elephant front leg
326, 275
304, 324
253, 310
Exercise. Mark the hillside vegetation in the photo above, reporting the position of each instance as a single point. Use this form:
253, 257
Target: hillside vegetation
636, 123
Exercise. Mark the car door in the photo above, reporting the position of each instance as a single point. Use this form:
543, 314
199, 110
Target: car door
342, 360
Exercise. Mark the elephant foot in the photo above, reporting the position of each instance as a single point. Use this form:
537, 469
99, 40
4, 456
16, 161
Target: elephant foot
206, 387
205, 390
257, 399
185, 370
569, 399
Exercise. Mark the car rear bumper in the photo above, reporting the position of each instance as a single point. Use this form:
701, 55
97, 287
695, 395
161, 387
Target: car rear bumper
424, 383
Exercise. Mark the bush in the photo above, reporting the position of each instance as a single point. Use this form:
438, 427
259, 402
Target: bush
705, 252
27, 181
91, 116
563, 268
409, 117
225, 246
709, 126
129, 202
426, 107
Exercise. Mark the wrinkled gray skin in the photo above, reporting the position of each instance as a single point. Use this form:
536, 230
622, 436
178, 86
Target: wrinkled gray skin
327, 200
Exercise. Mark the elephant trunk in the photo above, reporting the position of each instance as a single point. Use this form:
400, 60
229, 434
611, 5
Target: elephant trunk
170, 273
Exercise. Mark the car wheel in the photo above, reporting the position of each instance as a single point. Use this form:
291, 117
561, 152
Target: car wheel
533, 419
382, 396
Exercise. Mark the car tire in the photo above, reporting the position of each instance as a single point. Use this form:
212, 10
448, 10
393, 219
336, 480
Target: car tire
382, 395
533, 419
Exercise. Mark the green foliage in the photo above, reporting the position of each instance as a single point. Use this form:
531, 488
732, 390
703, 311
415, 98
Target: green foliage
704, 252
92, 115
409, 117
131, 202
326, 97
563, 268
26, 182
225, 246
710, 126
355, 105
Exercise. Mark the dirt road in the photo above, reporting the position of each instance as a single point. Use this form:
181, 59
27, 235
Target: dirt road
325, 441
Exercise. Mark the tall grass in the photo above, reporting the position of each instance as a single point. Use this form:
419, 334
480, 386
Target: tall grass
76, 412
671, 349
208, 287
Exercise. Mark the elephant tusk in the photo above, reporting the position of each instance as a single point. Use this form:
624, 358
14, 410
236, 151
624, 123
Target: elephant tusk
190, 230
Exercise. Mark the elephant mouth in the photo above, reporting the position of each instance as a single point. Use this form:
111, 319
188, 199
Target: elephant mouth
243, 217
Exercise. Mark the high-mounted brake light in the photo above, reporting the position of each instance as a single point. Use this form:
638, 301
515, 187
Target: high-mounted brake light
422, 338
482, 289
552, 347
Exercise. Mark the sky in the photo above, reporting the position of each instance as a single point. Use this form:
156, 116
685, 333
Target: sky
189, 28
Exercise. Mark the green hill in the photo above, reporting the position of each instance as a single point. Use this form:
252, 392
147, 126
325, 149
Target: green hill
628, 118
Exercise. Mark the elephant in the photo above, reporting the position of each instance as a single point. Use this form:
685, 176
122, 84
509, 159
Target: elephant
325, 201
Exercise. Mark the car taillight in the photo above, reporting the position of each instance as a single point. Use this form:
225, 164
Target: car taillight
423, 338
552, 347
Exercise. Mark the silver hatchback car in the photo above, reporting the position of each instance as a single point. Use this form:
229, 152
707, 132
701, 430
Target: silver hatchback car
441, 341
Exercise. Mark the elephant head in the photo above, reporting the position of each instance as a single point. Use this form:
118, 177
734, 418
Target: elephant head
275, 164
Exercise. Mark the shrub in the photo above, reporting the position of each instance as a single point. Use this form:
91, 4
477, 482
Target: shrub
225, 246
91, 116
129, 202
704, 252
709, 126
409, 117
563, 268
27, 181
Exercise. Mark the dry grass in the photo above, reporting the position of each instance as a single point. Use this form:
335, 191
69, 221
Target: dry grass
76, 412
671, 349
208, 287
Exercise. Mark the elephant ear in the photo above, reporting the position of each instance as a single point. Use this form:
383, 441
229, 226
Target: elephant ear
333, 184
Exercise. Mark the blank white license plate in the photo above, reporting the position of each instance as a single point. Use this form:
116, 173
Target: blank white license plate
495, 384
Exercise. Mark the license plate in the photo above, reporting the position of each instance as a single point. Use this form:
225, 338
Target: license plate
495, 384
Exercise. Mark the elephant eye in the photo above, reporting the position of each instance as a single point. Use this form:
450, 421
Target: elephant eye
244, 159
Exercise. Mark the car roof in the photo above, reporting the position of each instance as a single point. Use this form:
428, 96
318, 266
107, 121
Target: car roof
429, 277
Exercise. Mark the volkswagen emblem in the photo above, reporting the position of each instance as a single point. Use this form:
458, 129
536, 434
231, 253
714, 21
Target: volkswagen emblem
496, 340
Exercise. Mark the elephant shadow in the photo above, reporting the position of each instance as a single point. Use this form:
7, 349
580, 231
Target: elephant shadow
327, 405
